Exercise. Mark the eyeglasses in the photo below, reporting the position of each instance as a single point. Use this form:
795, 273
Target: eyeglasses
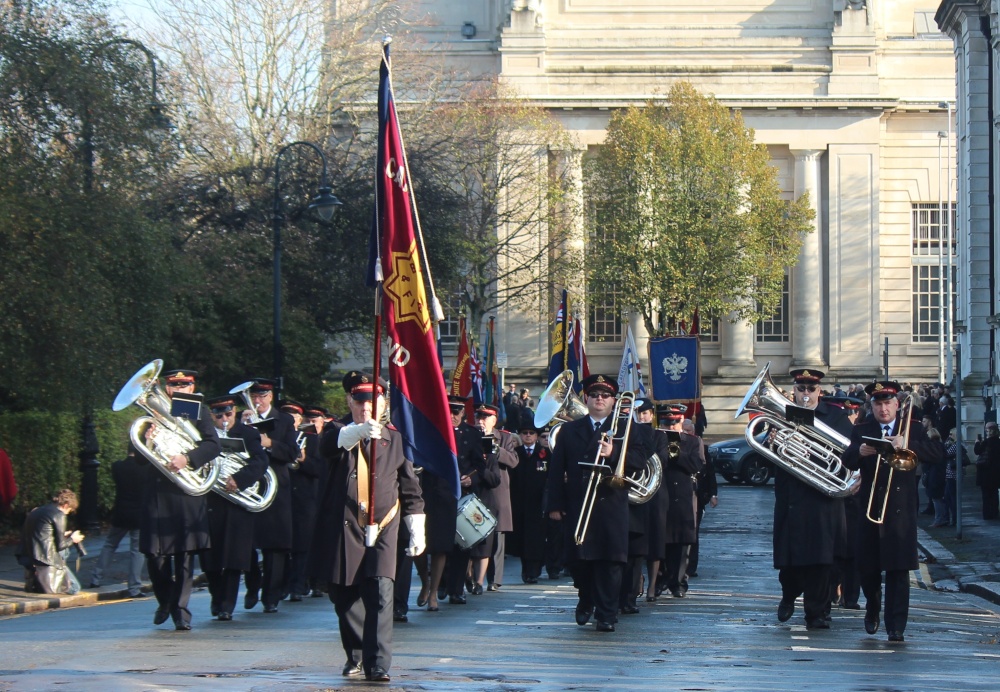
224, 415
806, 387
601, 395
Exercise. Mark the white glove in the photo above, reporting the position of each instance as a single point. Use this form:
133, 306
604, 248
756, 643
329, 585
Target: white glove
418, 541
352, 434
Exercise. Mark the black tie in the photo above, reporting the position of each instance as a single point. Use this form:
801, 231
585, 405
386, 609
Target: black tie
885, 430
597, 426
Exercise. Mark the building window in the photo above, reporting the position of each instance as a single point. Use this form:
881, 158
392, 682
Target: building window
775, 328
604, 317
929, 238
452, 306
708, 332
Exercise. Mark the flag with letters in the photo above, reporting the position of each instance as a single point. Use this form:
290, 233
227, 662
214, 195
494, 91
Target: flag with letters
629, 372
418, 399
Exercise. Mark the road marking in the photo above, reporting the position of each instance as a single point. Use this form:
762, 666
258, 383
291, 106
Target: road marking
843, 651
528, 624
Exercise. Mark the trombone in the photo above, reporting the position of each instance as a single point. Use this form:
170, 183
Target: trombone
901, 459
623, 409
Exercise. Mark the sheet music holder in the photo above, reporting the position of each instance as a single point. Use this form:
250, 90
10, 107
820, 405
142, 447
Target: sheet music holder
233, 444
265, 427
673, 435
883, 445
186, 405
798, 415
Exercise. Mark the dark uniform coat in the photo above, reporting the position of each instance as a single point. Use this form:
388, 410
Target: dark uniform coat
130, 475
304, 483
273, 528
810, 528
440, 503
607, 534
172, 521
499, 497
678, 476
659, 505
339, 543
527, 495
232, 527
893, 544
484, 471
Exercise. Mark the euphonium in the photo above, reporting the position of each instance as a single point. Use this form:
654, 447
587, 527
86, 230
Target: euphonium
811, 453
253, 498
244, 391
172, 436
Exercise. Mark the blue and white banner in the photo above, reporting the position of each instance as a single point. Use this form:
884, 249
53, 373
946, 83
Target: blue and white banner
674, 368
629, 373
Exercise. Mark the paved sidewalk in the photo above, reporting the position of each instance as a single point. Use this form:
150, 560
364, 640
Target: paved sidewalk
970, 564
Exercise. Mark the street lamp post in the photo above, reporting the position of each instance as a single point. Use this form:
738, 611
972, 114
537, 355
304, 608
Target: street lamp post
325, 203
89, 449
941, 288
949, 245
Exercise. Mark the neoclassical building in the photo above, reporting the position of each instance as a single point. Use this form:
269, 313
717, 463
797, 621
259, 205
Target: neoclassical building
853, 100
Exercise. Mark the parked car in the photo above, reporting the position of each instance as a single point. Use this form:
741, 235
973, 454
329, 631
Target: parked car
738, 462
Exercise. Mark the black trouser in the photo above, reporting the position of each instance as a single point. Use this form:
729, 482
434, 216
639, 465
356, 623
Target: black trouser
224, 585
494, 570
270, 583
599, 583
692, 567
555, 550
631, 581
171, 577
404, 572
364, 612
297, 569
675, 566
991, 502
897, 597
812, 582
845, 573
455, 570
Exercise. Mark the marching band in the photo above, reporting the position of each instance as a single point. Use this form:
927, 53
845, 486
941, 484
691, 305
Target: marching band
598, 493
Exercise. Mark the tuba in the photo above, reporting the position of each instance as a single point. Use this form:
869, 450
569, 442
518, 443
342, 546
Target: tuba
811, 453
173, 436
560, 401
253, 498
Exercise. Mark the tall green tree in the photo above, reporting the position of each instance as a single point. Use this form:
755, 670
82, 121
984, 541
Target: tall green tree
687, 214
84, 287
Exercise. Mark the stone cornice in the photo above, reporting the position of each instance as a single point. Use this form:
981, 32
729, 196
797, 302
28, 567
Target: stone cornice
951, 13
736, 101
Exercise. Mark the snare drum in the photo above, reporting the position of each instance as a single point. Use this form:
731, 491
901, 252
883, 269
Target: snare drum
475, 522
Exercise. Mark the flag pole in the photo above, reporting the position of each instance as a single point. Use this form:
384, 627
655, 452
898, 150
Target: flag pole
371, 531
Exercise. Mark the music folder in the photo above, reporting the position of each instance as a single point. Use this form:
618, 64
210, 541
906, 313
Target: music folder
673, 435
233, 444
186, 406
797, 415
883, 446
264, 427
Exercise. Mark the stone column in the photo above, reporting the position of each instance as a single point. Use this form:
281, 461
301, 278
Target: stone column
736, 341
807, 276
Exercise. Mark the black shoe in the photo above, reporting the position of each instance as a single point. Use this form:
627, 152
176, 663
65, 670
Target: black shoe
214, 609
555, 575
378, 674
399, 616
604, 626
476, 590
295, 597
270, 608
629, 610
442, 594
182, 626
818, 624
871, 623
852, 606
160, 616
530, 580
583, 615
678, 593
352, 670
316, 593
250, 600
224, 616
469, 584
896, 637
456, 600
493, 587
785, 610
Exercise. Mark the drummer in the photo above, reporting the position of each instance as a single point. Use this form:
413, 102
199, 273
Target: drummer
478, 470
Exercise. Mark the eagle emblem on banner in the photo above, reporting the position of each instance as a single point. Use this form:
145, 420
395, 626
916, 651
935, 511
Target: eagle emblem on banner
674, 366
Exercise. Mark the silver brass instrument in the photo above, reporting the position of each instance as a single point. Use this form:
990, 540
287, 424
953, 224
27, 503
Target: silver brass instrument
253, 498
172, 436
244, 391
811, 453
901, 459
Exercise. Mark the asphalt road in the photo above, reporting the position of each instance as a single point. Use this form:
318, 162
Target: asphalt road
724, 636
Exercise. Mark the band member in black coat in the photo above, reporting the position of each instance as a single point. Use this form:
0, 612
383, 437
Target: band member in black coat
891, 546
360, 575
640, 517
273, 528
597, 563
809, 526
229, 524
507, 460
174, 524
527, 497
706, 490
678, 475
659, 505
303, 476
